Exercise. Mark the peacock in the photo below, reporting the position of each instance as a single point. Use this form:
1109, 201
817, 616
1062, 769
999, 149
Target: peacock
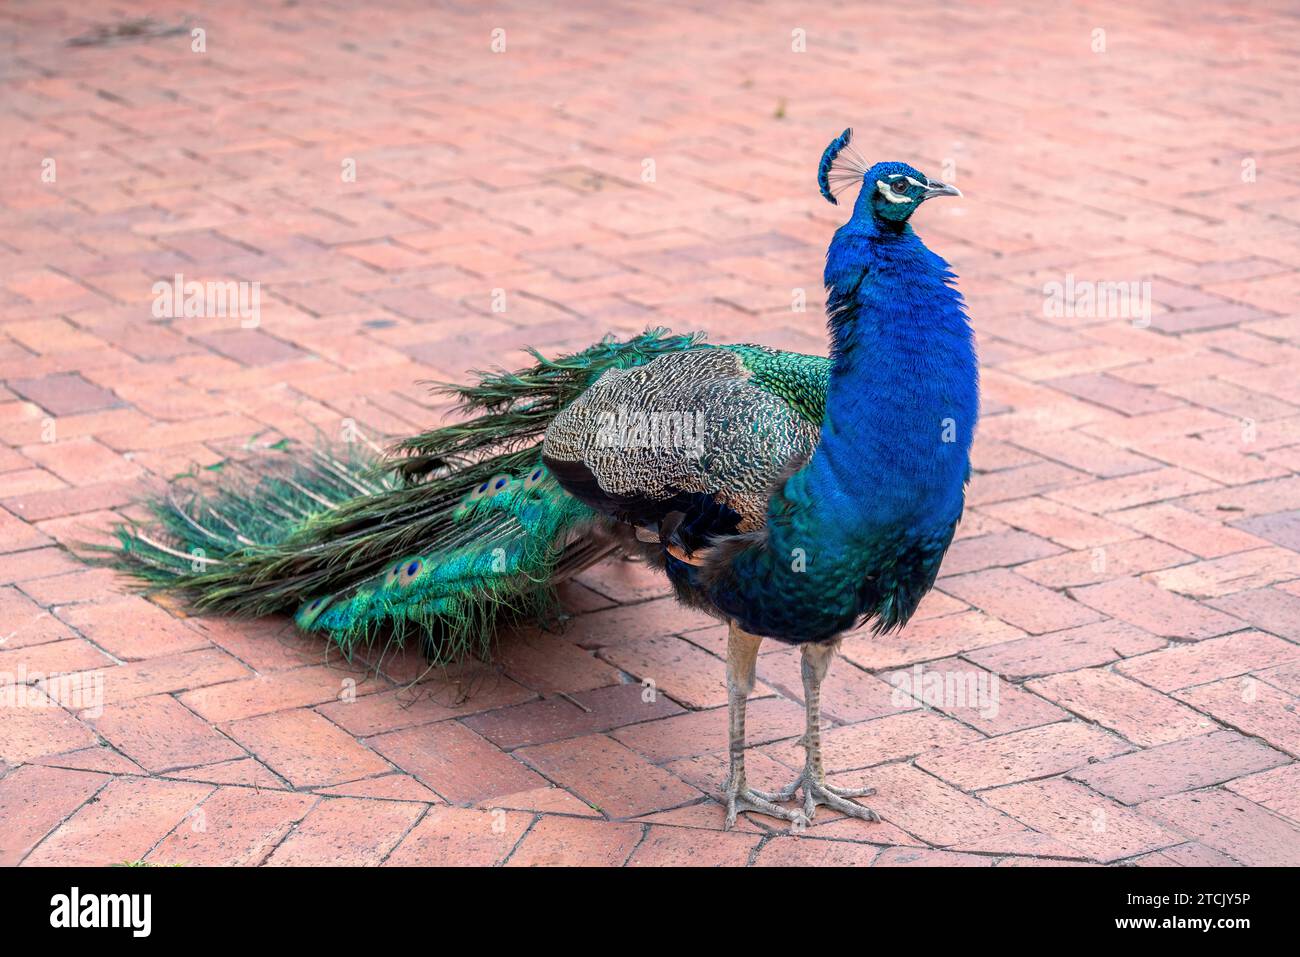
795, 497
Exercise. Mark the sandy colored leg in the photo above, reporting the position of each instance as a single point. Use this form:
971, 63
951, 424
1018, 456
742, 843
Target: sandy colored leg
816, 792
742, 656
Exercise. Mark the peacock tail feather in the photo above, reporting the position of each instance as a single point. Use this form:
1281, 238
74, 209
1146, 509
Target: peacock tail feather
440, 539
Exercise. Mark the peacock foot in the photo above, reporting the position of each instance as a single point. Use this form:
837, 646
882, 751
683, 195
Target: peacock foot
817, 793
740, 797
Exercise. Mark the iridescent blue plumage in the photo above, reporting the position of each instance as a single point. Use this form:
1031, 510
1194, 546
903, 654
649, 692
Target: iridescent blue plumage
829, 155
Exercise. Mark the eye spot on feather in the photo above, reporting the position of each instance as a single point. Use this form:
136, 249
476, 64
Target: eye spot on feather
535, 478
477, 492
309, 612
496, 485
410, 571
393, 574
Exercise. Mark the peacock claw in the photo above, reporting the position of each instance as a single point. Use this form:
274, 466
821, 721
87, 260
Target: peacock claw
739, 798
818, 793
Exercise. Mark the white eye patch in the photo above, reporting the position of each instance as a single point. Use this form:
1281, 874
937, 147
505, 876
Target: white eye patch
887, 191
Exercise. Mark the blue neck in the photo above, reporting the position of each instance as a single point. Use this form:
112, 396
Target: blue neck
903, 397
861, 529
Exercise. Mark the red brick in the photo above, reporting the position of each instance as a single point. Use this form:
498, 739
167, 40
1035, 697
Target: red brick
1021, 755
266, 644
677, 847
627, 623
131, 628
868, 743
33, 726
1278, 790
1190, 854
1103, 563
544, 800
1018, 601
1284, 677
148, 677
548, 664
1251, 706
1269, 609
1066, 526
422, 703
626, 581
346, 832
1231, 824
1150, 607
701, 732
1214, 578
305, 749
160, 734
81, 585
23, 622
996, 549
810, 852
707, 816
1141, 715
16, 535
609, 776
385, 256
571, 716
1035, 844
35, 563
974, 696
64, 394
1080, 451
1178, 766
1184, 665
927, 640
924, 806
455, 762
245, 771
250, 346
460, 837
280, 690
1084, 647
34, 801
1095, 433
1115, 393
1098, 827
1142, 488
921, 857
100, 757
570, 842
676, 667
130, 816
387, 787
82, 461
233, 827
51, 658
848, 692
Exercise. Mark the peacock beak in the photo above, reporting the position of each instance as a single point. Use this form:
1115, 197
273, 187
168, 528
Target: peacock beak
937, 188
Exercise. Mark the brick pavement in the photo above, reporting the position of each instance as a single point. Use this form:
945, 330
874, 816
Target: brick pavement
1129, 571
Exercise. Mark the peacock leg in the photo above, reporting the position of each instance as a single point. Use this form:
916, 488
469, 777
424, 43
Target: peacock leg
816, 792
742, 656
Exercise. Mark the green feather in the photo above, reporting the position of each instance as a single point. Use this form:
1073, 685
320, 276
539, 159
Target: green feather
322, 533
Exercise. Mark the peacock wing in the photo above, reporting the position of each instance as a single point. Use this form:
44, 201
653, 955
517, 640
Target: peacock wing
696, 439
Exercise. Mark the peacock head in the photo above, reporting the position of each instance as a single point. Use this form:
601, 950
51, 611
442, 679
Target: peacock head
890, 191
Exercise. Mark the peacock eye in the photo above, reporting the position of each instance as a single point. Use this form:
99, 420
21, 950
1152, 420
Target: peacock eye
899, 185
